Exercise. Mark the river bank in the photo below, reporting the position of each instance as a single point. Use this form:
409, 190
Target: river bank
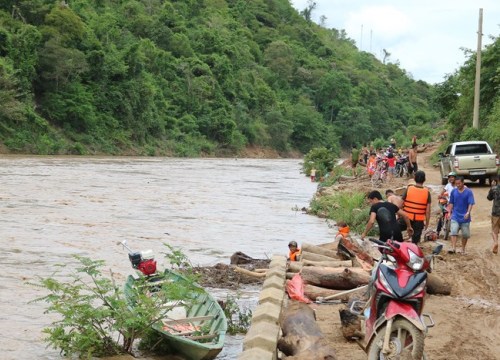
467, 325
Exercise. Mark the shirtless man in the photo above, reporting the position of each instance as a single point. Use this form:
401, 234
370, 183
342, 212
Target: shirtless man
394, 199
412, 157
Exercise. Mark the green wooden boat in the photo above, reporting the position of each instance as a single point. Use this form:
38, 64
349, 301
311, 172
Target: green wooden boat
196, 329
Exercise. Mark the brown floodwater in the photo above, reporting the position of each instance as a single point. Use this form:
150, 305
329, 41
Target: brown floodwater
52, 208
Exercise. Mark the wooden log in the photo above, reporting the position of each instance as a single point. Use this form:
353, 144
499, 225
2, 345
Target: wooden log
249, 273
295, 266
335, 278
314, 292
351, 325
436, 285
329, 246
334, 263
318, 250
240, 258
351, 246
347, 178
302, 337
316, 257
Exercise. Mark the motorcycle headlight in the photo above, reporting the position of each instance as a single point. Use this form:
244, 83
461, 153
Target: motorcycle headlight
416, 262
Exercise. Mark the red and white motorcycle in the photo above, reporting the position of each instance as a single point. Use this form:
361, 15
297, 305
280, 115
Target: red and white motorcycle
395, 326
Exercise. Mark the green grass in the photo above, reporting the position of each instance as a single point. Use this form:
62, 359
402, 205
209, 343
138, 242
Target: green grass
350, 206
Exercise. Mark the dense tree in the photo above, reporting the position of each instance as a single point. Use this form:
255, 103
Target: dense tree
456, 98
194, 77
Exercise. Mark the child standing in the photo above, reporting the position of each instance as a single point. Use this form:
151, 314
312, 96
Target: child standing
313, 174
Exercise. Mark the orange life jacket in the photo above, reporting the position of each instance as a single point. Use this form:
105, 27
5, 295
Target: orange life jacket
343, 231
415, 204
293, 255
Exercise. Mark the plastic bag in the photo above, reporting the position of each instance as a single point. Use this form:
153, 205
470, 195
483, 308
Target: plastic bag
295, 289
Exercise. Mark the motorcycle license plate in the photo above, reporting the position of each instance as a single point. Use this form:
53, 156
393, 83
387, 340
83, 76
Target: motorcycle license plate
480, 172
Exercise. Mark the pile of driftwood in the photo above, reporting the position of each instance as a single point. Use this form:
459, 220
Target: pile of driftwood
331, 272
330, 269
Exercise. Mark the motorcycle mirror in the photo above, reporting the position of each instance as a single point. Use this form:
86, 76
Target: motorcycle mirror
437, 249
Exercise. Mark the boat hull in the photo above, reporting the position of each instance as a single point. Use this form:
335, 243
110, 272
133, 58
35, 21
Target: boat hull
203, 311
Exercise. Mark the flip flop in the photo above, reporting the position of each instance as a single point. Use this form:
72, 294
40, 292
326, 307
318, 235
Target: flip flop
495, 249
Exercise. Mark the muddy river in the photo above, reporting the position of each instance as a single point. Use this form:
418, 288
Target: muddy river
55, 207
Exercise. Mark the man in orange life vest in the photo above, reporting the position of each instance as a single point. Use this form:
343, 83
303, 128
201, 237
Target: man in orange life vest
294, 251
417, 206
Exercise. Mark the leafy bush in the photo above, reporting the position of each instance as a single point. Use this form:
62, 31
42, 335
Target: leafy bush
471, 134
350, 207
321, 159
333, 176
238, 319
97, 319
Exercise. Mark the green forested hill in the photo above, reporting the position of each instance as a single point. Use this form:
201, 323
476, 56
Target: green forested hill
456, 97
190, 77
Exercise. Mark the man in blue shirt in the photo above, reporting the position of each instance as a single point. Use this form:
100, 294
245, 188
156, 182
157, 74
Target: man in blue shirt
461, 203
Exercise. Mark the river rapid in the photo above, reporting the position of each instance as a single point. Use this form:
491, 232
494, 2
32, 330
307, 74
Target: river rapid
55, 207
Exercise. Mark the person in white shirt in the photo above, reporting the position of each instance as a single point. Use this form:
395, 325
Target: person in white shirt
451, 184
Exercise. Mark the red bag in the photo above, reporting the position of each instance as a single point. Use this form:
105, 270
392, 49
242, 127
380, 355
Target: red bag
295, 289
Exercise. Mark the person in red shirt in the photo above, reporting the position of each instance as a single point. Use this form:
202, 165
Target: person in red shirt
391, 166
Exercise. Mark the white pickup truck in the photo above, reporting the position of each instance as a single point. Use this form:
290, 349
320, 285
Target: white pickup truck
474, 160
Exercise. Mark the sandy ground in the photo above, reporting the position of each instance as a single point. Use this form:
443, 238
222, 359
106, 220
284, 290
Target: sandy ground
468, 321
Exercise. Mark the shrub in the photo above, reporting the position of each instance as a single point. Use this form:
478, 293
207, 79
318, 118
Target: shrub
321, 159
96, 318
350, 207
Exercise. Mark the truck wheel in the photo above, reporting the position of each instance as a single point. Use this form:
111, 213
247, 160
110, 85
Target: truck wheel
482, 181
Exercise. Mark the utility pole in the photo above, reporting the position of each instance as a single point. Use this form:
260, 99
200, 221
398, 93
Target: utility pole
371, 38
477, 87
361, 42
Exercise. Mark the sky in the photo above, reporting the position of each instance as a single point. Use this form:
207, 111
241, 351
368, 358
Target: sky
425, 36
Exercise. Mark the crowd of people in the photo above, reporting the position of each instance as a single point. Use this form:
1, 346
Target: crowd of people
384, 160
411, 211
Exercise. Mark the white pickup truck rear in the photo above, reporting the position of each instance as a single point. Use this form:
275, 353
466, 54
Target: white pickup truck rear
474, 160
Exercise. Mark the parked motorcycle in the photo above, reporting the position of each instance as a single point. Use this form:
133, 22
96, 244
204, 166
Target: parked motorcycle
394, 325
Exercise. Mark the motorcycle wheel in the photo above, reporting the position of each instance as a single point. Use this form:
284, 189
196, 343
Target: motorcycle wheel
406, 343
446, 226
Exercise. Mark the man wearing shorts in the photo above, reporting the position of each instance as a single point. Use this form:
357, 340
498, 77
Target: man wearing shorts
494, 195
461, 203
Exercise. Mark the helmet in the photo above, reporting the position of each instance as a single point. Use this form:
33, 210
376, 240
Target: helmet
292, 243
430, 236
452, 174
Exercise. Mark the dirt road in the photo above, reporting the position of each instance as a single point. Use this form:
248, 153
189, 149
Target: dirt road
468, 321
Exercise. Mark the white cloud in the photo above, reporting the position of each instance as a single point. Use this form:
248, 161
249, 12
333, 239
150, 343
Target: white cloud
426, 36
386, 21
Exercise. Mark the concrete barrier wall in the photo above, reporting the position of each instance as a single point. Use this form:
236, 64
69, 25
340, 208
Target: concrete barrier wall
261, 340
